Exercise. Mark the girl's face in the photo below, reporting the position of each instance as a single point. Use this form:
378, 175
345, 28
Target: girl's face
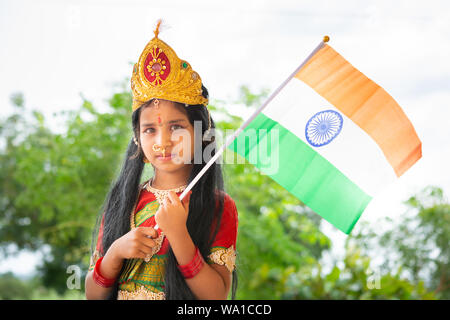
167, 136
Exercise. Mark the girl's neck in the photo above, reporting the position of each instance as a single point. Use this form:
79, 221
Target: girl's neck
170, 180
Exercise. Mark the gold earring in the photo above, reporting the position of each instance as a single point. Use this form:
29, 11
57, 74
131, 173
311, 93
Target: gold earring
207, 131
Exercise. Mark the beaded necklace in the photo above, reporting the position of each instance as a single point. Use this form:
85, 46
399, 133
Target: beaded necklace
161, 195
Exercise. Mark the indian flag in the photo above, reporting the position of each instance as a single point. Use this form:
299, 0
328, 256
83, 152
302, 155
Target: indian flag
333, 136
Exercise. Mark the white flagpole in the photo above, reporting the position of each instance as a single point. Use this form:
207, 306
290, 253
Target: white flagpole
247, 122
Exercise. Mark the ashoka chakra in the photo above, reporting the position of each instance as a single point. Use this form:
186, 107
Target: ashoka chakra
323, 127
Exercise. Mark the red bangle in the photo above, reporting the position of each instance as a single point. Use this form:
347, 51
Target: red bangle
99, 279
191, 269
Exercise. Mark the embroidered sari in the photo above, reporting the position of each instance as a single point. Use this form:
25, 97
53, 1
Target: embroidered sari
144, 278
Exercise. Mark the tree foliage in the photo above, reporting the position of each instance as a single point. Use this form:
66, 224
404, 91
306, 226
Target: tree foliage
53, 184
418, 247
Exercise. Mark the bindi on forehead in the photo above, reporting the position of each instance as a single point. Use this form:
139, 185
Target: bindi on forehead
167, 112
173, 121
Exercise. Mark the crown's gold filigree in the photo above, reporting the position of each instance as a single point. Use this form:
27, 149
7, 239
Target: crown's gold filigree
160, 74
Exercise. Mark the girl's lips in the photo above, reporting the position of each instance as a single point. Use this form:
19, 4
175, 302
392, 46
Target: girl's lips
166, 158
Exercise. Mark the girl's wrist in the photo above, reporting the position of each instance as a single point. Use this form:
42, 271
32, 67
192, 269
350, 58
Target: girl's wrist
99, 278
182, 245
180, 234
192, 268
112, 261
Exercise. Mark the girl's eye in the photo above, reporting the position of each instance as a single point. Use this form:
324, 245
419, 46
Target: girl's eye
175, 127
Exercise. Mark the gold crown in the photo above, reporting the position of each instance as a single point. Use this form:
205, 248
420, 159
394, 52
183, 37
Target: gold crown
160, 74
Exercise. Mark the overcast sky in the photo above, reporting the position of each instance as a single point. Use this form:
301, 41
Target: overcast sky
54, 50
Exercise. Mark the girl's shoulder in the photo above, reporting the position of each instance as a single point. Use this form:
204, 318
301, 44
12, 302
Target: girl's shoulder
145, 197
227, 234
229, 217
228, 202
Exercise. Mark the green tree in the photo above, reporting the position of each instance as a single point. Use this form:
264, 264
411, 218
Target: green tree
53, 184
12, 287
418, 246
355, 277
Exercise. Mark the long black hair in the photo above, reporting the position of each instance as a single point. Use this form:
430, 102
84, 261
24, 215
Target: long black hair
205, 207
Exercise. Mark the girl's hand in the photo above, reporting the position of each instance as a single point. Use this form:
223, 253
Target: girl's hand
137, 243
172, 214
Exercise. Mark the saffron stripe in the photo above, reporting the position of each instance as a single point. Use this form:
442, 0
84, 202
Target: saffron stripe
366, 104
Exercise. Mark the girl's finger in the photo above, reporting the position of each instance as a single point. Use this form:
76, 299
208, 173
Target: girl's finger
148, 243
146, 249
142, 255
149, 232
174, 198
166, 202
186, 200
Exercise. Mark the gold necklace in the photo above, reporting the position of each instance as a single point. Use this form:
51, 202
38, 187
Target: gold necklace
161, 195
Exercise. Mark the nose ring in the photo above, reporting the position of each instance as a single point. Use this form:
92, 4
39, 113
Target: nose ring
157, 148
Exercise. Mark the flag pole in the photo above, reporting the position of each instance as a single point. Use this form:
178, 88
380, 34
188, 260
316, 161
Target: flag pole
231, 138
250, 119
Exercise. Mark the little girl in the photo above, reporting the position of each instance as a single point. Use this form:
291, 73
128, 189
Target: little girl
150, 244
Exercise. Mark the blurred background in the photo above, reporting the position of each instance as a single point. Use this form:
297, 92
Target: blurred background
65, 107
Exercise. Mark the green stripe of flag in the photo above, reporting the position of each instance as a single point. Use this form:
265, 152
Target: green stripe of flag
303, 172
